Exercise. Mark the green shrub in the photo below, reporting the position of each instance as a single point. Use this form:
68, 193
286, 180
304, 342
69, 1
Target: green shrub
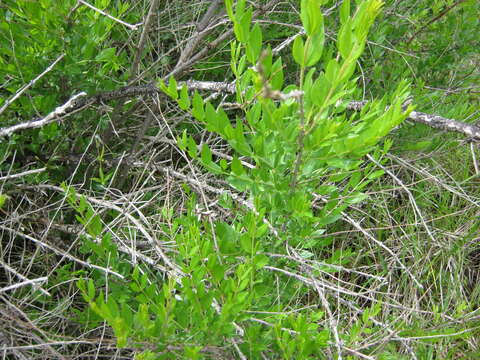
303, 150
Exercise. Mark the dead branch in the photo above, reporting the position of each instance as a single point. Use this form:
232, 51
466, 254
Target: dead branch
181, 68
30, 84
434, 121
22, 174
55, 115
200, 33
130, 26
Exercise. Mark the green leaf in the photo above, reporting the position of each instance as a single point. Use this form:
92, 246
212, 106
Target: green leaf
228, 237
229, 8
260, 261
345, 39
311, 16
375, 174
242, 25
276, 78
211, 118
94, 226
344, 11
182, 141
237, 166
314, 48
356, 198
332, 71
192, 147
329, 219
112, 307
246, 243
223, 164
355, 179
82, 205
320, 89
127, 316
172, 88
218, 272
3, 198
121, 332
184, 100
254, 45
298, 50
240, 9
206, 155
91, 289
198, 110
106, 55
253, 114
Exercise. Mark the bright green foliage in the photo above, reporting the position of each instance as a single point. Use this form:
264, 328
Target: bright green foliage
32, 36
297, 158
3, 198
297, 142
298, 138
206, 305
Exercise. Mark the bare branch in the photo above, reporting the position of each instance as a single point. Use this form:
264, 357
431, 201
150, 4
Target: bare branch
55, 115
143, 37
32, 282
439, 122
17, 274
60, 252
30, 84
19, 175
131, 27
201, 32
434, 121
180, 68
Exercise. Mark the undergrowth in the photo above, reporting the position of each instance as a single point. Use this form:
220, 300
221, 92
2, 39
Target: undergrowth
261, 218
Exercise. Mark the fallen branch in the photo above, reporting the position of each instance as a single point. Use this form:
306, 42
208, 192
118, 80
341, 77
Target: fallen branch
435, 121
19, 175
30, 84
55, 115
439, 122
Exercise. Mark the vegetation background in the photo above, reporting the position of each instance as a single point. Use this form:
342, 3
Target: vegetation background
141, 219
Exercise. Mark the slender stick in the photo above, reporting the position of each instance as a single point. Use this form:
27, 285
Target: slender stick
30, 84
439, 16
24, 173
55, 115
132, 27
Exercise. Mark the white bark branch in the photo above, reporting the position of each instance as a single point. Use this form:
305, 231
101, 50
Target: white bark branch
29, 85
55, 115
